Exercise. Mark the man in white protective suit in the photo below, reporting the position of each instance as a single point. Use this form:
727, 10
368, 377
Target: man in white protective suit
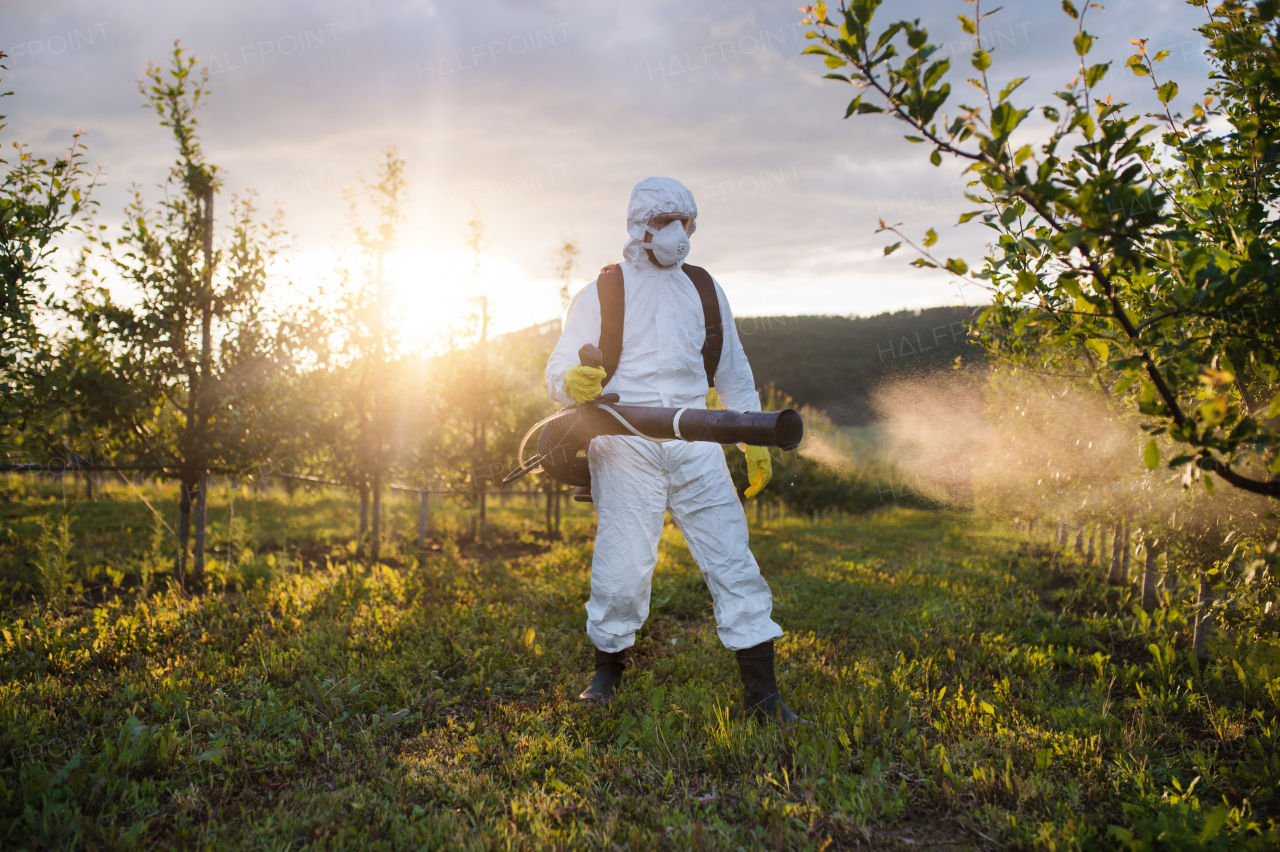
663, 362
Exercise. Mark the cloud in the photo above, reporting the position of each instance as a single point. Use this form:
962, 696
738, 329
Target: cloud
546, 113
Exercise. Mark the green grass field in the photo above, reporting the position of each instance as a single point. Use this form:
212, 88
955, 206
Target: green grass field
964, 693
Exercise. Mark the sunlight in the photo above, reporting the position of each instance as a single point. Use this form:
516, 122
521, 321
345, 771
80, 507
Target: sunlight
433, 292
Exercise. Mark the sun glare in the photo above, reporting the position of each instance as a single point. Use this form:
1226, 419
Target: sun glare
435, 292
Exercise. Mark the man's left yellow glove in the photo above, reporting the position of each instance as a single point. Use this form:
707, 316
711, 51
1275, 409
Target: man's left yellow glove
759, 469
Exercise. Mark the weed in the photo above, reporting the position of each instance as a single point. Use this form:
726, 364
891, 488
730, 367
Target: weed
53, 562
961, 695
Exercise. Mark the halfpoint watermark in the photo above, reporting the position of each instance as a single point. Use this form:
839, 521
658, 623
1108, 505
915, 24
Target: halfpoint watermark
445, 67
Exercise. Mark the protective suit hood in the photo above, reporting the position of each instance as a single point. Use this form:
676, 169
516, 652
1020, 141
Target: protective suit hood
650, 197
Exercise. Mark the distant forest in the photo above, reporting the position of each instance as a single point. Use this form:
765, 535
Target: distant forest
835, 363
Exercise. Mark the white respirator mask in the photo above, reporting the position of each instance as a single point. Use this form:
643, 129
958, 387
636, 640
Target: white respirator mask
670, 244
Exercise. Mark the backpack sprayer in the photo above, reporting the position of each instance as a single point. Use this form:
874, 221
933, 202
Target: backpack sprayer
562, 446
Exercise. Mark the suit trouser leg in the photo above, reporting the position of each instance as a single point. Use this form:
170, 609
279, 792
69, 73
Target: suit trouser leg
705, 506
628, 487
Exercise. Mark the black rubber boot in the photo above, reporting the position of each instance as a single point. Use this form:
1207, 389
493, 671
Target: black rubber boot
608, 675
759, 687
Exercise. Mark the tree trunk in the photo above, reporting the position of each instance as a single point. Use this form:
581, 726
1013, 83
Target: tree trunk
759, 512
482, 483
424, 509
1204, 618
1080, 542
184, 529
1119, 572
556, 492
364, 519
197, 549
549, 522
1150, 574
1088, 556
1126, 549
375, 544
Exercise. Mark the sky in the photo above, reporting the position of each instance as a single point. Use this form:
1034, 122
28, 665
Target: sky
542, 116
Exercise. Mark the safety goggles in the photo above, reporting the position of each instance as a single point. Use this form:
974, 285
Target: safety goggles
661, 221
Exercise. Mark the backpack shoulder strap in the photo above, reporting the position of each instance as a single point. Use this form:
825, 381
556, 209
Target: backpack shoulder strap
714, 343
611, 289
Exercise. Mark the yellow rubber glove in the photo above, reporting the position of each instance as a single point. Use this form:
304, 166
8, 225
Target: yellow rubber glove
583, 383
759, 469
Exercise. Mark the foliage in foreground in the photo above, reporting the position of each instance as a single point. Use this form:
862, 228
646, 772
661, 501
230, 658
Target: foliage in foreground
962, 691
1150, 267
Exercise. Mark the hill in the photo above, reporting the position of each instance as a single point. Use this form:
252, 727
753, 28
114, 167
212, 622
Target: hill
834, 363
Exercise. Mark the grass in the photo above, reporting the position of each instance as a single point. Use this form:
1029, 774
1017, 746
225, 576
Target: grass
963, 694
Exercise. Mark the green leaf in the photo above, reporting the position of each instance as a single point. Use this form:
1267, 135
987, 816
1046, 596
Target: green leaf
1025, 283
888, 250
914, 138
1097, 347
1085, 121
1083, 43
834, 62
967, 25
957, 266
1151, 455
1070, 8
1095, 74
856, 105
923, 264
1136, 65
981, 60
1013, 84
965, 217
1004, 118
935, 157
930, 237
1167, 92
1213, 823
1161, 56
936, 72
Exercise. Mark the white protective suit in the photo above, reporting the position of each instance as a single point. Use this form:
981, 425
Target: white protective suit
634, 481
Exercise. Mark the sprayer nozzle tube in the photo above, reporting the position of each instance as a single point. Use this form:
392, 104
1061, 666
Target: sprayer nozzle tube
758, 428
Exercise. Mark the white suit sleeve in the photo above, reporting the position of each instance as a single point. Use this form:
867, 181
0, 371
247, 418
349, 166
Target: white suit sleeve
581, 326
734, 383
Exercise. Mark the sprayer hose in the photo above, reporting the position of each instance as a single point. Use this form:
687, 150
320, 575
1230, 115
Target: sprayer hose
544, 421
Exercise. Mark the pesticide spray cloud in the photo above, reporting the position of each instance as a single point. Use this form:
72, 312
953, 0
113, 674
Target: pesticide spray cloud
1048, 451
